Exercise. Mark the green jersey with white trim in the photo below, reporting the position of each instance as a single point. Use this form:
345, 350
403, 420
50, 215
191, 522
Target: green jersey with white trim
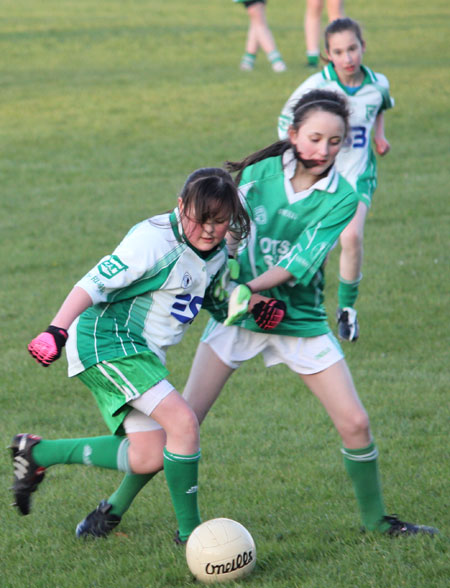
144, 295
356, 160
294, 231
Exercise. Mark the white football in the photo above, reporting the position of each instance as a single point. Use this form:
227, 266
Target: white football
220, 550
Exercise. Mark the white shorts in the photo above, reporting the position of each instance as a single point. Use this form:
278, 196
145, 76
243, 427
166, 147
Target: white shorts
137, 420
303, 355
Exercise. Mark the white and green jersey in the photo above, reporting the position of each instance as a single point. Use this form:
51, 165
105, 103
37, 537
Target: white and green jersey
295, 231
356, 160
145, 294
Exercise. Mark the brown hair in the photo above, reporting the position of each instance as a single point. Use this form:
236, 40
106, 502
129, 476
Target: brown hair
339, 26
210, 193
312, 101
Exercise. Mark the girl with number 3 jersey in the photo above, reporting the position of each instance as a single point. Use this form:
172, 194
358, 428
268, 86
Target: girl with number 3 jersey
368, 96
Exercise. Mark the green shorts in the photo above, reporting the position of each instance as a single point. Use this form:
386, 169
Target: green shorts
116, 382
367, 182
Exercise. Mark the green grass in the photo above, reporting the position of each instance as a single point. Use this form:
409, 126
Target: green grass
105, 107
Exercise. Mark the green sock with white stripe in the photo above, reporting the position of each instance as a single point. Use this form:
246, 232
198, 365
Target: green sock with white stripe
106, 452
248, 61
274, 56
182, 478
362, 467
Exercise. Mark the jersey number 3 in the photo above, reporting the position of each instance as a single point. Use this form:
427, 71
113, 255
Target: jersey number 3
359, 136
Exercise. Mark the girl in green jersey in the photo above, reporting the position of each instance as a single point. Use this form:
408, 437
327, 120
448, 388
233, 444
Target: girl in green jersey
298, 206
118, 322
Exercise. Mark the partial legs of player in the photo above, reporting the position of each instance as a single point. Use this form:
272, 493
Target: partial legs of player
350, 263
312, 24
260, 35
204, 385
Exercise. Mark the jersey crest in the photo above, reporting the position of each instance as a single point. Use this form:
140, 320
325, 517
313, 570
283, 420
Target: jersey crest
186, 281
260, 215
111, 267
371, 110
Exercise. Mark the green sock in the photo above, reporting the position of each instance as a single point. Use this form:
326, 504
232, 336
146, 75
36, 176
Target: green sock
362, 467
274, 56
182, 478
312, 59
105, 452
348, 292
248, 61
130, 486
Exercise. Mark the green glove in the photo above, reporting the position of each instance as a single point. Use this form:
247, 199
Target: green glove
238, 304
231, 272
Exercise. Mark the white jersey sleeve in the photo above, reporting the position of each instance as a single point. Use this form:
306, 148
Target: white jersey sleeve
142, 252
382, 84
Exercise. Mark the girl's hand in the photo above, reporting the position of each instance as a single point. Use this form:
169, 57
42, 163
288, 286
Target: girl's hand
238, 304
231, 272
46, 347
382, 145
269, 313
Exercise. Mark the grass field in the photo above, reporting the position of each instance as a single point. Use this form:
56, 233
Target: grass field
105, 107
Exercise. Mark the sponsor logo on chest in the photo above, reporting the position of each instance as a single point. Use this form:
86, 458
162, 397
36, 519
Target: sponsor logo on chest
288, 213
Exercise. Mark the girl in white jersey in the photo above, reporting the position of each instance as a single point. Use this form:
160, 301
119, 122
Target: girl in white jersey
368, 96
118, 322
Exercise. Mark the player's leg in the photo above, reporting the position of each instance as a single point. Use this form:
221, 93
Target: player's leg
335, 9
260, 35
132, 484
221, 351
312, 26
351, 257
203, 391
350, 264
108, 514
206, 379
335, 389
150, 447
181, 457
319, 361
32, 455
114, 384
251, 44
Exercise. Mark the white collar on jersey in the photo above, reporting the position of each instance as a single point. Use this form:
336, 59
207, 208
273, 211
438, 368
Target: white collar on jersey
328, 184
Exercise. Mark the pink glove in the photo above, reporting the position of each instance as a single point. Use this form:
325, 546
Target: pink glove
47, 346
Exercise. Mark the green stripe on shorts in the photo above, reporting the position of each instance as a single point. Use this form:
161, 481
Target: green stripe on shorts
115, 382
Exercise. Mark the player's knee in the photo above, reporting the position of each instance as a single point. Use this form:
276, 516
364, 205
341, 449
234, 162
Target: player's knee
185, 426
314, 8
352, 239
147, 461
356, 426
